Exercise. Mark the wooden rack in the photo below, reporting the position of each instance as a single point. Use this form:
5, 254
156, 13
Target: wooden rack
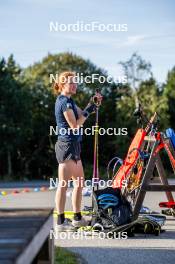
154, 162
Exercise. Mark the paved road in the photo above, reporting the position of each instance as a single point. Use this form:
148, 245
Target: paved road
24, 184
138, 250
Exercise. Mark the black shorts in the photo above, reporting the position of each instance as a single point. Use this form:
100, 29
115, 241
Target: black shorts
67, 151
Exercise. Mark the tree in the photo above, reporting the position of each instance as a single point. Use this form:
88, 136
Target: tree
137, 70
13, 115
152, 99
169, 94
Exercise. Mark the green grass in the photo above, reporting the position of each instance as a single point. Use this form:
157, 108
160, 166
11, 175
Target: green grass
63, 256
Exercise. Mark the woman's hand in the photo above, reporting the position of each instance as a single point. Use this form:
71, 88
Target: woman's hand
89, 109
94, 102
97, 98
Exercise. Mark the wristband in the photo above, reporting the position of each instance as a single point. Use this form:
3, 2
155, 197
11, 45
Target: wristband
85, 113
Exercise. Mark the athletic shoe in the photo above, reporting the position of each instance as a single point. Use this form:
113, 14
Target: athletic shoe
79, 223
66, 226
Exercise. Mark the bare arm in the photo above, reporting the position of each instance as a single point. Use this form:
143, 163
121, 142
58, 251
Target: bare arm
79, 110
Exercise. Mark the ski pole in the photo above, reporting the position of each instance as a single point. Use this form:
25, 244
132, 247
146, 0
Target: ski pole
96, 159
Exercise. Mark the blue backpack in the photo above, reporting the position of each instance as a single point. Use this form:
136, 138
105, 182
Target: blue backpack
171, 134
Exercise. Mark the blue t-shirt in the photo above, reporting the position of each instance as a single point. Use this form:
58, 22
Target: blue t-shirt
65, 133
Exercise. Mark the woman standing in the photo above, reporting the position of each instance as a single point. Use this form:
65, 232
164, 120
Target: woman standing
68, 117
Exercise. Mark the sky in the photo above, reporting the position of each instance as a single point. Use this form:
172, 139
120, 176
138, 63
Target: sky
24, 31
